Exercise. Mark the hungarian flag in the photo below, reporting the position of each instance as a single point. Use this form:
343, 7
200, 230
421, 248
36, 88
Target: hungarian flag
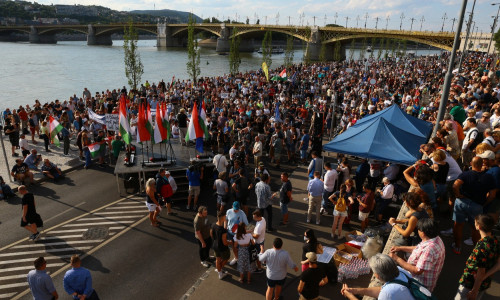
54, 129
197, 129
142, 133
95, 149
165, 122
283, 73
125, 131
203, 113
149, 124
160, 133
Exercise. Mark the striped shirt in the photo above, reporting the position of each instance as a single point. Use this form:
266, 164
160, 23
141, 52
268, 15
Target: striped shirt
428, 256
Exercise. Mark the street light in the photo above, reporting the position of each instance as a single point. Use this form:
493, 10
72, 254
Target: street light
493, 26
402, 18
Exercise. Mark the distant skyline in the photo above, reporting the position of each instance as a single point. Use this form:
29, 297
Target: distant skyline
309, 12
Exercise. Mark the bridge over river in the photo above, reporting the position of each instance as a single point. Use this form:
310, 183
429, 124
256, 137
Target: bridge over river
175, 35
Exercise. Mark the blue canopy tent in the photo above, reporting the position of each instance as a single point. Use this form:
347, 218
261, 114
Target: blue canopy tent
389, 135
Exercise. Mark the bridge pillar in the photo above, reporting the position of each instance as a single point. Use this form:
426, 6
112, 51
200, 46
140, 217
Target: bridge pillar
36, 38
165, 38
247, 45
98, 40
223, 42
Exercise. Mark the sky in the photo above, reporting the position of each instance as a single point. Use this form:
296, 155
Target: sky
426, 14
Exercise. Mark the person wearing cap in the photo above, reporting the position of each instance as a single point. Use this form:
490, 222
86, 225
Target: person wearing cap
183, 119
40, 282
474, 190
457, 111
234, 216
311, 279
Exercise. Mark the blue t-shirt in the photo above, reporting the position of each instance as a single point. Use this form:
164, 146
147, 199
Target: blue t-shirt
396, 291
495, 172
305, 142
193, 178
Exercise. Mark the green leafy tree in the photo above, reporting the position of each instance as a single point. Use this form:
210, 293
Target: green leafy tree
289, 51
193, 63
234, 53
363, 50
372, 54
133, 65
267, 49
496, 38
322, 53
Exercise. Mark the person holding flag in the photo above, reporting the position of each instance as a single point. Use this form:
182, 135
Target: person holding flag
125, 131
54, 128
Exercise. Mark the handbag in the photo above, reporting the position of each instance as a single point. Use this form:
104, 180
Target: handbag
253, 251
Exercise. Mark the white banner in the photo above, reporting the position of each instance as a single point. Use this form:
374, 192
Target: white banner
98, 118
112, 122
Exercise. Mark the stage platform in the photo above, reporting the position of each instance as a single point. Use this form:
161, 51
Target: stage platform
180, 160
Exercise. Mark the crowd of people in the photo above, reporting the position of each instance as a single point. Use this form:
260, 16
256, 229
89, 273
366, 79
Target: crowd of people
278, 123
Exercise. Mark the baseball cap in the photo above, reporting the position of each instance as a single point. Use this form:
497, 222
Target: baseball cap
167, 173
312, 257
236, 205
488, 154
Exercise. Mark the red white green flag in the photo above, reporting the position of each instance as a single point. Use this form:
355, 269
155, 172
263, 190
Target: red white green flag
54, 129
125, 130
95, 149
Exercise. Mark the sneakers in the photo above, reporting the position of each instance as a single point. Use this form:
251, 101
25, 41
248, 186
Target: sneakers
36, 236
222, 274
322, 211
306, 199
32, 236
448, 232
332, 235
259, 271
187, 207
205, 264
318, 222
233, 262
469, 242
308, 221
455, 249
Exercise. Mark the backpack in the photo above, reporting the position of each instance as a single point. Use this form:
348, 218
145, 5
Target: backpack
418, 290
166, 189
479, 138
341, 204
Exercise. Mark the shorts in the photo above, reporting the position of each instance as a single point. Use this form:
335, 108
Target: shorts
463, 291
284, 208
230, 236
272, 283
221, 199
32, 219
167, 200
303, 154
337, 213
224, 254
363, 216
194, 191
151, 206
466, 209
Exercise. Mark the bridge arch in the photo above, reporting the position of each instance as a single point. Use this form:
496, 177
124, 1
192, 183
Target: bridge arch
197, 29
58, 30
11, 30
408, 38
295, 34
109, 31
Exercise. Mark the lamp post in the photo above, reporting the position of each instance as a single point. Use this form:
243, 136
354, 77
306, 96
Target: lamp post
469, 25
493, 27
422, 20
447, 78
402, 18
387, 21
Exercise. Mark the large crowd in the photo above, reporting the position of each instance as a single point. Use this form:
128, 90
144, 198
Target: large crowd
261, 124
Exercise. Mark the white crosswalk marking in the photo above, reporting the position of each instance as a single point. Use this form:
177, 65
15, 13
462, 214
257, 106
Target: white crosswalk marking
65, 240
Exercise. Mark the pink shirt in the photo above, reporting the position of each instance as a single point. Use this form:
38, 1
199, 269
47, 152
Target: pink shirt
428, 256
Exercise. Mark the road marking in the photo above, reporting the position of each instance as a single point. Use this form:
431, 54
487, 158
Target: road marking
62, 213
83, 229
14, 276
129, 202
6, 296
126, 207
112, 217
8, 286
120, 212
27, 267
69, 221
97, 223
6, 262
43, 251
25, 292
56, 244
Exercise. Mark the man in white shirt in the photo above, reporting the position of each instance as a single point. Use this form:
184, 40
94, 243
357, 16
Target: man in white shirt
259, 235
257, 151
330, 180
384, 197
220, 163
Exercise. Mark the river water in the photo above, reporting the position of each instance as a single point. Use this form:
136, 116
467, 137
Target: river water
49, 72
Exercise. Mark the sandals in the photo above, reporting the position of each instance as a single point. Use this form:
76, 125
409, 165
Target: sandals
156, 224
241, 280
